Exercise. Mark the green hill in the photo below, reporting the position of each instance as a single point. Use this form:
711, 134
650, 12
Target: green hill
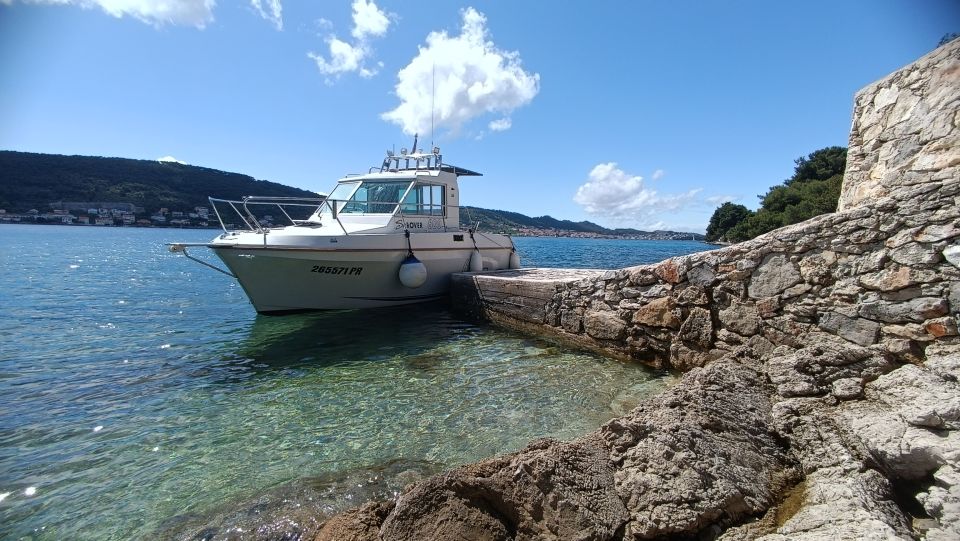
33, 181
505, 220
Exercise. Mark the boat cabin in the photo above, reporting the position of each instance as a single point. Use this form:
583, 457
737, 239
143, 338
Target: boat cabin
415, 192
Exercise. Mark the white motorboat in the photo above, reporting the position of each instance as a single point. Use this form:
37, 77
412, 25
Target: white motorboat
385, 238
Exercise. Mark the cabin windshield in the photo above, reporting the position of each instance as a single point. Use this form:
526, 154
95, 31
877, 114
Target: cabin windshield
367, 197
339, 196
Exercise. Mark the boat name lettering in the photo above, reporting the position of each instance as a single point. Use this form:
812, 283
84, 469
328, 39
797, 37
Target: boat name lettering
349, 271
409, 225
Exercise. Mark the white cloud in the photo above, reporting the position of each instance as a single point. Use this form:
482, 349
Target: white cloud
501, 124
721, 199
368, 20
456, 79
615, 194
272, 13
344, 57
156, 12
658, 174
171, 159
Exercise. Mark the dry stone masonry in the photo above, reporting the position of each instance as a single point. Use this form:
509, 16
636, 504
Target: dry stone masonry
820, 398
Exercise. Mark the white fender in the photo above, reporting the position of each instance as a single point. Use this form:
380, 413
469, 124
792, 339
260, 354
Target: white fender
476, 261
412, 272
514, 260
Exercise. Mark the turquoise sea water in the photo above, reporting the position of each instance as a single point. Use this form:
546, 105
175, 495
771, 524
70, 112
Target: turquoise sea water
142, 397
600, 253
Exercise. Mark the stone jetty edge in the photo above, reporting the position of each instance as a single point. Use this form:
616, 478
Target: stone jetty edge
820, 395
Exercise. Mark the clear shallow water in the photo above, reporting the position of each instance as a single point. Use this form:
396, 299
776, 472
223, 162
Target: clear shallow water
140, 390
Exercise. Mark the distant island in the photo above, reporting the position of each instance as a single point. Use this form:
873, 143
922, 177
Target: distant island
91, 190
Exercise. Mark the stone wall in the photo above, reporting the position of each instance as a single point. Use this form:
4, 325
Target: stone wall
873, 276
820, 398
905, 129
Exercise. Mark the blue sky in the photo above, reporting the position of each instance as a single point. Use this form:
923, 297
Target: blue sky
628, 114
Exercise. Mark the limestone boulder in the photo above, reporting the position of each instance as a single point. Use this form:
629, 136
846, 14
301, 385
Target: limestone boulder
817, 269
658, 313
915, 254
671, 270
571, 320
941, 327
693, 295
741, 318
549, 490
952, 254
915, 310
844, 505
702, 453
896, 277
920, 396
774, 274
813, 370
857, 330
702, 275
907, 451
942, 502
944, 359
604, 325
697, 328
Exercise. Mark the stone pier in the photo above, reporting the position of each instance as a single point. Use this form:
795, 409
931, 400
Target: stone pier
516, 299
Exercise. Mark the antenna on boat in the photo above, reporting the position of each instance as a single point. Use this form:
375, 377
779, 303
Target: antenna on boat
415, 136
433, 99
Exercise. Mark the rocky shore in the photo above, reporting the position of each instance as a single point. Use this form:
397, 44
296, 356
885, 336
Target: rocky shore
820, 398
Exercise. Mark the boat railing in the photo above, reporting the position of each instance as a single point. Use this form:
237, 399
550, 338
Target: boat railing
252, 213
421, 161
253, 210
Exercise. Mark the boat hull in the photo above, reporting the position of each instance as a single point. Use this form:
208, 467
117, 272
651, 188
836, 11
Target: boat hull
284, 279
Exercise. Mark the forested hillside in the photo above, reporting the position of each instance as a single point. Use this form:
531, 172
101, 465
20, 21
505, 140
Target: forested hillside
520, 224
33, 181
503, 220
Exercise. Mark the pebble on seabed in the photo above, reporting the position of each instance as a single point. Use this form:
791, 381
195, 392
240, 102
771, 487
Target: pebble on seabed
98, 428
3, 496
30, 491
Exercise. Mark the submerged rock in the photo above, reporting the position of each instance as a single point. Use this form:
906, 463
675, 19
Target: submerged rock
296, 511
699, 455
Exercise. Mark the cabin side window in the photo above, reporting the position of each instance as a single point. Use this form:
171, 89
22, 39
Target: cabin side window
425, 200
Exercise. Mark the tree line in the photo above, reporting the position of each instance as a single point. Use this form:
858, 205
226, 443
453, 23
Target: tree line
813, 189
